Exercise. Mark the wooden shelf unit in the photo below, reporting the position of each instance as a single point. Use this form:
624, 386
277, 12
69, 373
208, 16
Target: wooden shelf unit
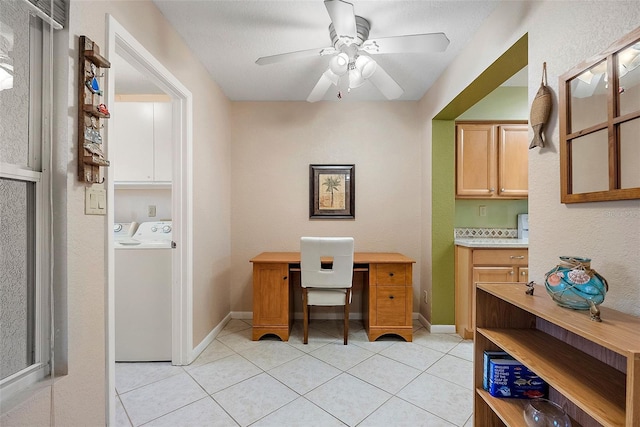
89, 163
593, 369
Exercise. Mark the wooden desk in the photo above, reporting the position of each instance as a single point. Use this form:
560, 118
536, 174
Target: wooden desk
387, 293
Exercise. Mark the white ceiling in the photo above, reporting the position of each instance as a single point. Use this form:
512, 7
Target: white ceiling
228, 36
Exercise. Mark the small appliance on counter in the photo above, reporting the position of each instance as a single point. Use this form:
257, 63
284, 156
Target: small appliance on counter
523, 226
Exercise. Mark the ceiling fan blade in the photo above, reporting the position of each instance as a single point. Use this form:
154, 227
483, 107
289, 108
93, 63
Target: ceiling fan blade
385, 84
343, 18
320, 88
264, 60
415, 43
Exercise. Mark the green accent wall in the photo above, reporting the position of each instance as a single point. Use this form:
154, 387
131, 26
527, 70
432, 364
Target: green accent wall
443, 176
504, 103
443, 214
500, 213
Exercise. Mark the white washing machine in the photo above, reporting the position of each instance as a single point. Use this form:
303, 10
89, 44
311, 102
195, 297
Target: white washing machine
143, 294
123, 231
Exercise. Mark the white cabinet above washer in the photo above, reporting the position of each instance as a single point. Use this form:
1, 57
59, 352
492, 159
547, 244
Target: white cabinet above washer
140, 142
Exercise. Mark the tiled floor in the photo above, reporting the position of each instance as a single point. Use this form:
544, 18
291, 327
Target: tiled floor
236, 381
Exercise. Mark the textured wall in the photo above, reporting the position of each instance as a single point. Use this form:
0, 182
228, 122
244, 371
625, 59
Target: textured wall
80, 396
607, 232
562, 35
273, 145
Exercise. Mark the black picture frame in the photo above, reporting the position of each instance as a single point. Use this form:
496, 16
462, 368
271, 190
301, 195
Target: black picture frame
332, 191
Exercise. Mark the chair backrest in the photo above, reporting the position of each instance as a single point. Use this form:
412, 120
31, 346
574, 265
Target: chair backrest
339, 249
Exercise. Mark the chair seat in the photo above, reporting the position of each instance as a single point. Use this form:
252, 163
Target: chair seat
326, 296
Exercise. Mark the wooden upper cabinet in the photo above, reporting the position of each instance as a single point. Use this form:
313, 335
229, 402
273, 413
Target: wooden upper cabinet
513, 163
491, 161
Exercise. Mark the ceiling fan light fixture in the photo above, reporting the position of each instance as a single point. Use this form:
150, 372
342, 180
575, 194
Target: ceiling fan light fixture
339, 64
366, 65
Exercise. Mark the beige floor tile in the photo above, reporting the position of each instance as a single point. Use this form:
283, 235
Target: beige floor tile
442, 398
300, 412
440, 342
398, 413
254, 398
224, 373
454, 369
130, 376
304, 374
411, 354
348, 398
204, 412
159, 398
214, 351
382, 372
271, 354
342, 356
324, 383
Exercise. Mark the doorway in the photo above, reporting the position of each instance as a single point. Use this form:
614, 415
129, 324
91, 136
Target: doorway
121, 44
443, 176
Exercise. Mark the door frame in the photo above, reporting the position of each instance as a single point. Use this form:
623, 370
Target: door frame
120, 41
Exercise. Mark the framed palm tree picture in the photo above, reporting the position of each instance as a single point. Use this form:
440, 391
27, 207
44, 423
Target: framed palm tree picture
332, 191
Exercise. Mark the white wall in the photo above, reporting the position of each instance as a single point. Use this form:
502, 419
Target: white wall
80, 396
562, 34
273, 145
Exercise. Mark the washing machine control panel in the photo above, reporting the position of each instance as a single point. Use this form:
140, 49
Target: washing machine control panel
164, 229
154, 231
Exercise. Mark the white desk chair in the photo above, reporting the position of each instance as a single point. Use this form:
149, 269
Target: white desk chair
326, 286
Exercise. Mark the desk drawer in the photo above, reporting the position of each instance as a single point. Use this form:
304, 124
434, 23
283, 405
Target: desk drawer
391, 306
391, 274
500, 257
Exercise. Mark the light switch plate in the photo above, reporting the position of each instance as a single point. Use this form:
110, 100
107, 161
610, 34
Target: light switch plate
95, 201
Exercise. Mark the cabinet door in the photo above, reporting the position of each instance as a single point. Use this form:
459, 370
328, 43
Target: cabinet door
162, 137
131, 141
270, 294
523, 274
513, 153
475, 160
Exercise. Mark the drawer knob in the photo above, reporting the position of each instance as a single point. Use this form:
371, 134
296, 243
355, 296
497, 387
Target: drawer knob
390, 296
517, 257
284, 278
524, 273
390, 274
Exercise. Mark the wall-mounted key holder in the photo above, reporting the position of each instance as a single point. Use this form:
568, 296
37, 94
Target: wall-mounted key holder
91, 112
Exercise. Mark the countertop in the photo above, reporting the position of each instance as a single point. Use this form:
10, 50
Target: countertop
473, 242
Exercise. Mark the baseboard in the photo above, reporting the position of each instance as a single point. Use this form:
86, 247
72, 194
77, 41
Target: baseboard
209, 338
436, 329
248, 315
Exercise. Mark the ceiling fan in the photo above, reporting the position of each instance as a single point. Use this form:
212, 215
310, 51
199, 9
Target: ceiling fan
352, 48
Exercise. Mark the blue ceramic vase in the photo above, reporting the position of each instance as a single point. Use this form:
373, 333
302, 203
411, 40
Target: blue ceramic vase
574, 284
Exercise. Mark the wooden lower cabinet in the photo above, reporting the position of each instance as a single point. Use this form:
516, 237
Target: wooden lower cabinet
593, 369
483, 265
390, 301
271, 300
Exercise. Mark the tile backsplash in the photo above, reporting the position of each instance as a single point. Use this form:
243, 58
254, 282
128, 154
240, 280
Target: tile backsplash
486, 233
